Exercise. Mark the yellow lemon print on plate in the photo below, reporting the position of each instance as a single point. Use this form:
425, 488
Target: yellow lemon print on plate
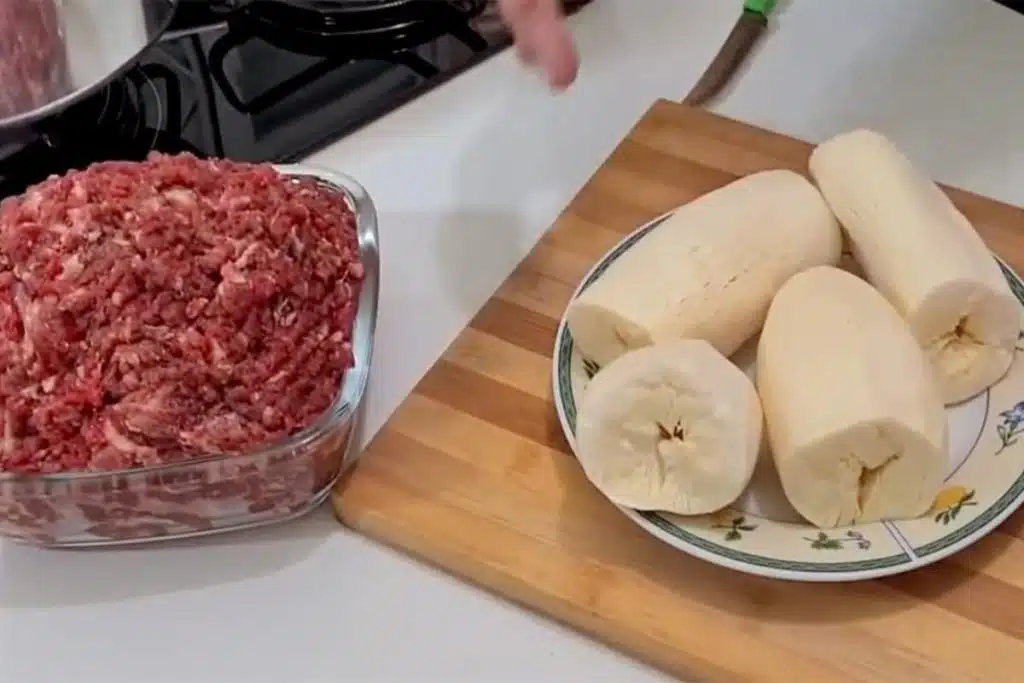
950, 502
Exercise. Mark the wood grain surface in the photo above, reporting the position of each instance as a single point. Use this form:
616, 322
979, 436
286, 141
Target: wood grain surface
472, 474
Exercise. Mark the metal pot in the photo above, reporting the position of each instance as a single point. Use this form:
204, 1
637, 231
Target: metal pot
54, 53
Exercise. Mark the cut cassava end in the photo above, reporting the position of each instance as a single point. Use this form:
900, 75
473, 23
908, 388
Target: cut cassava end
710, 270
673, 427
925, 257
852, 408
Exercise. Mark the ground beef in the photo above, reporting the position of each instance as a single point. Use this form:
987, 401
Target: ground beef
33, 60
156, 311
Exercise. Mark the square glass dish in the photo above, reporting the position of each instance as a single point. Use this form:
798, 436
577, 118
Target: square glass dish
216, 493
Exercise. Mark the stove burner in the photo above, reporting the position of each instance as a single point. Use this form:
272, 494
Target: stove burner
119, 122
368, 26
341, 32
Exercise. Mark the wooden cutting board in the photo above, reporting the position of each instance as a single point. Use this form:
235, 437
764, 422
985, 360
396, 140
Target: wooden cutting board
472, 473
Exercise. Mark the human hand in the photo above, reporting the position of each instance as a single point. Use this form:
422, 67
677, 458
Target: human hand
542, 38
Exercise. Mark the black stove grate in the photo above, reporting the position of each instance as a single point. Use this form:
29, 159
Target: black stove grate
267, 80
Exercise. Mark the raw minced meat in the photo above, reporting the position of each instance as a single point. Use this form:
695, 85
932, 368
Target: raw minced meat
33, 64
156, 311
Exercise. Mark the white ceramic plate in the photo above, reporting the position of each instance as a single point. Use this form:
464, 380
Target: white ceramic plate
761, 534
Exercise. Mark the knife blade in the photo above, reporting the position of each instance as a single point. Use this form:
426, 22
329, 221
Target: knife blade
745, 34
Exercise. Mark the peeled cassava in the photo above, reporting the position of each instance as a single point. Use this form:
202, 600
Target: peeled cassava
710, 270
674, 427
852, 409
924, 256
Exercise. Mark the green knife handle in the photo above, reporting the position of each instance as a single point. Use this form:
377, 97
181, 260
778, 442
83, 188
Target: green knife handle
762, 7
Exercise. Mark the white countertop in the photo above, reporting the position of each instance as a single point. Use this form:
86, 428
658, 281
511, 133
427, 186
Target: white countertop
465, 180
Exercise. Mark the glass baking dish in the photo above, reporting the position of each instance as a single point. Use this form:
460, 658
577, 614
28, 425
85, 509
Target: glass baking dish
217, 493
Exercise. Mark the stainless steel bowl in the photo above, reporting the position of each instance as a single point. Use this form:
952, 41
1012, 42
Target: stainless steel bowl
219, 492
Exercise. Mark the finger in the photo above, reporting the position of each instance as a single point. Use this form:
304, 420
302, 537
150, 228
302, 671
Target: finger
516, 13
526, 52
556, 53
542, 38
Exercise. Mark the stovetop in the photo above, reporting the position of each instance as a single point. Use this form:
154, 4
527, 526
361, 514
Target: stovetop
262, 80
1015, 5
